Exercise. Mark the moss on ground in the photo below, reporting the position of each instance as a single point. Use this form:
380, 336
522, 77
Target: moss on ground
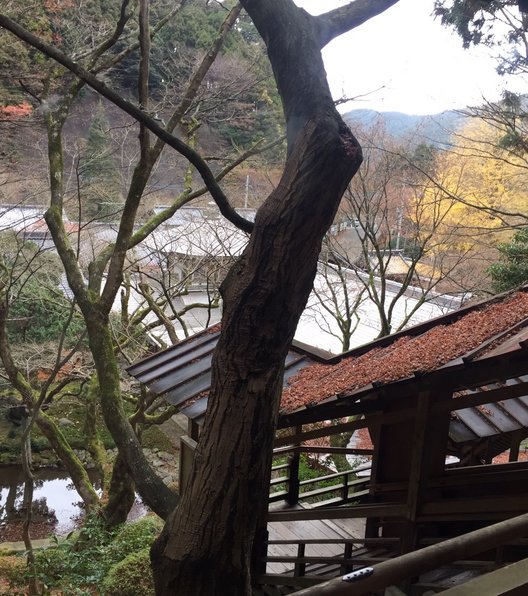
155, 438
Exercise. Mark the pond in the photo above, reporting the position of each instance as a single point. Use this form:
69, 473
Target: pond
56, 502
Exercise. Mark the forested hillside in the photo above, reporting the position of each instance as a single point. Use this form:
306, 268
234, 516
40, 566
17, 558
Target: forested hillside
237, 109
432, 129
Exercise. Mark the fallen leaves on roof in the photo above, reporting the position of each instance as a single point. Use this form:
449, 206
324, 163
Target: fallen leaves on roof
361, 439
504, 458
406, 356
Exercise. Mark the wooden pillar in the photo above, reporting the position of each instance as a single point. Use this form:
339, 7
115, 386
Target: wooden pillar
372, 524
187, 449
515, 445
418, 474
348, 563
418, 469
427, 460
300, 568
292, 497
260, 550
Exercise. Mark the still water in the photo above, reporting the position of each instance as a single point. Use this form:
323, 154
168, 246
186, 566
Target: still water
54, 489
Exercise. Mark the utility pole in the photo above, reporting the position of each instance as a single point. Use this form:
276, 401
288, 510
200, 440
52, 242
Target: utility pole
247, 192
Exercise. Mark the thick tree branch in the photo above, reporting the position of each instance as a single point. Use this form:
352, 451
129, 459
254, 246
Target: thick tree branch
185, 197
336, 22
296, 61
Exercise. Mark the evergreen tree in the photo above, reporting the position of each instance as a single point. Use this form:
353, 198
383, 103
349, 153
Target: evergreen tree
512, 270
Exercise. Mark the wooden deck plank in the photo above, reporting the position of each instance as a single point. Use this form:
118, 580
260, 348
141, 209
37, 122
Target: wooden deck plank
337, 529
348, 528
297, 531
280, 532
312, 530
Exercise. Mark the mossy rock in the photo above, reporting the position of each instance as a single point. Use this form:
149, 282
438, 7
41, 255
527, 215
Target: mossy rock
154, 437
130, 577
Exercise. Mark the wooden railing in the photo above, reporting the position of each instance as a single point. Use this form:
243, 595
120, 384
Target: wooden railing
346, 487
285, 483
309, 569
394, 571
339, 487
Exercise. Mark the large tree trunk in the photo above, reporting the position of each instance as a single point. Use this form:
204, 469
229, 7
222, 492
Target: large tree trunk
158, 496
206, 544
121, 494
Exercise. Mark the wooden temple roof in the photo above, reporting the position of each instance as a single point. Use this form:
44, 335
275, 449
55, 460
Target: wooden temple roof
183, 372
479, 353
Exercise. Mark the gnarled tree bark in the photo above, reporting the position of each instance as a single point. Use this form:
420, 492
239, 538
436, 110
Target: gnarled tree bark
206, 545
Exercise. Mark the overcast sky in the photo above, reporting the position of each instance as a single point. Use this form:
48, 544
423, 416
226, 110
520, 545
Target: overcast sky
405, 60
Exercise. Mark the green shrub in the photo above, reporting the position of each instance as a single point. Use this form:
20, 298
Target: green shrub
44, 312
13, 433
12, 568
79, 560
13, 447
130, 577
134, 537
39, 444
79, 563
52, 565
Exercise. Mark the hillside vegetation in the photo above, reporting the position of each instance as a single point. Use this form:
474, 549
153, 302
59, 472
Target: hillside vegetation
236, 109
432, 129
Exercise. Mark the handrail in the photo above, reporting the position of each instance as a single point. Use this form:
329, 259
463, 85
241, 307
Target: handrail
313, 449
351, 540
280, 467
279, 480
332, 476
394, 571
292, 492
386, 510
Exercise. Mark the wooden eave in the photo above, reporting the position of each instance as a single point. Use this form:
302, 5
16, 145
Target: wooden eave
183, 374
502, 366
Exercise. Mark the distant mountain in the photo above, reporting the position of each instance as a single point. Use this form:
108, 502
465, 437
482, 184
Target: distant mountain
433, 129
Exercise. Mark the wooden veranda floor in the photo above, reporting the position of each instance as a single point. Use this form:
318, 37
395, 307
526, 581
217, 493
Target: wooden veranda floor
336, 529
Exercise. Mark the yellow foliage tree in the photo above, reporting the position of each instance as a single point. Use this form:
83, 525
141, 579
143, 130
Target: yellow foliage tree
476, 198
